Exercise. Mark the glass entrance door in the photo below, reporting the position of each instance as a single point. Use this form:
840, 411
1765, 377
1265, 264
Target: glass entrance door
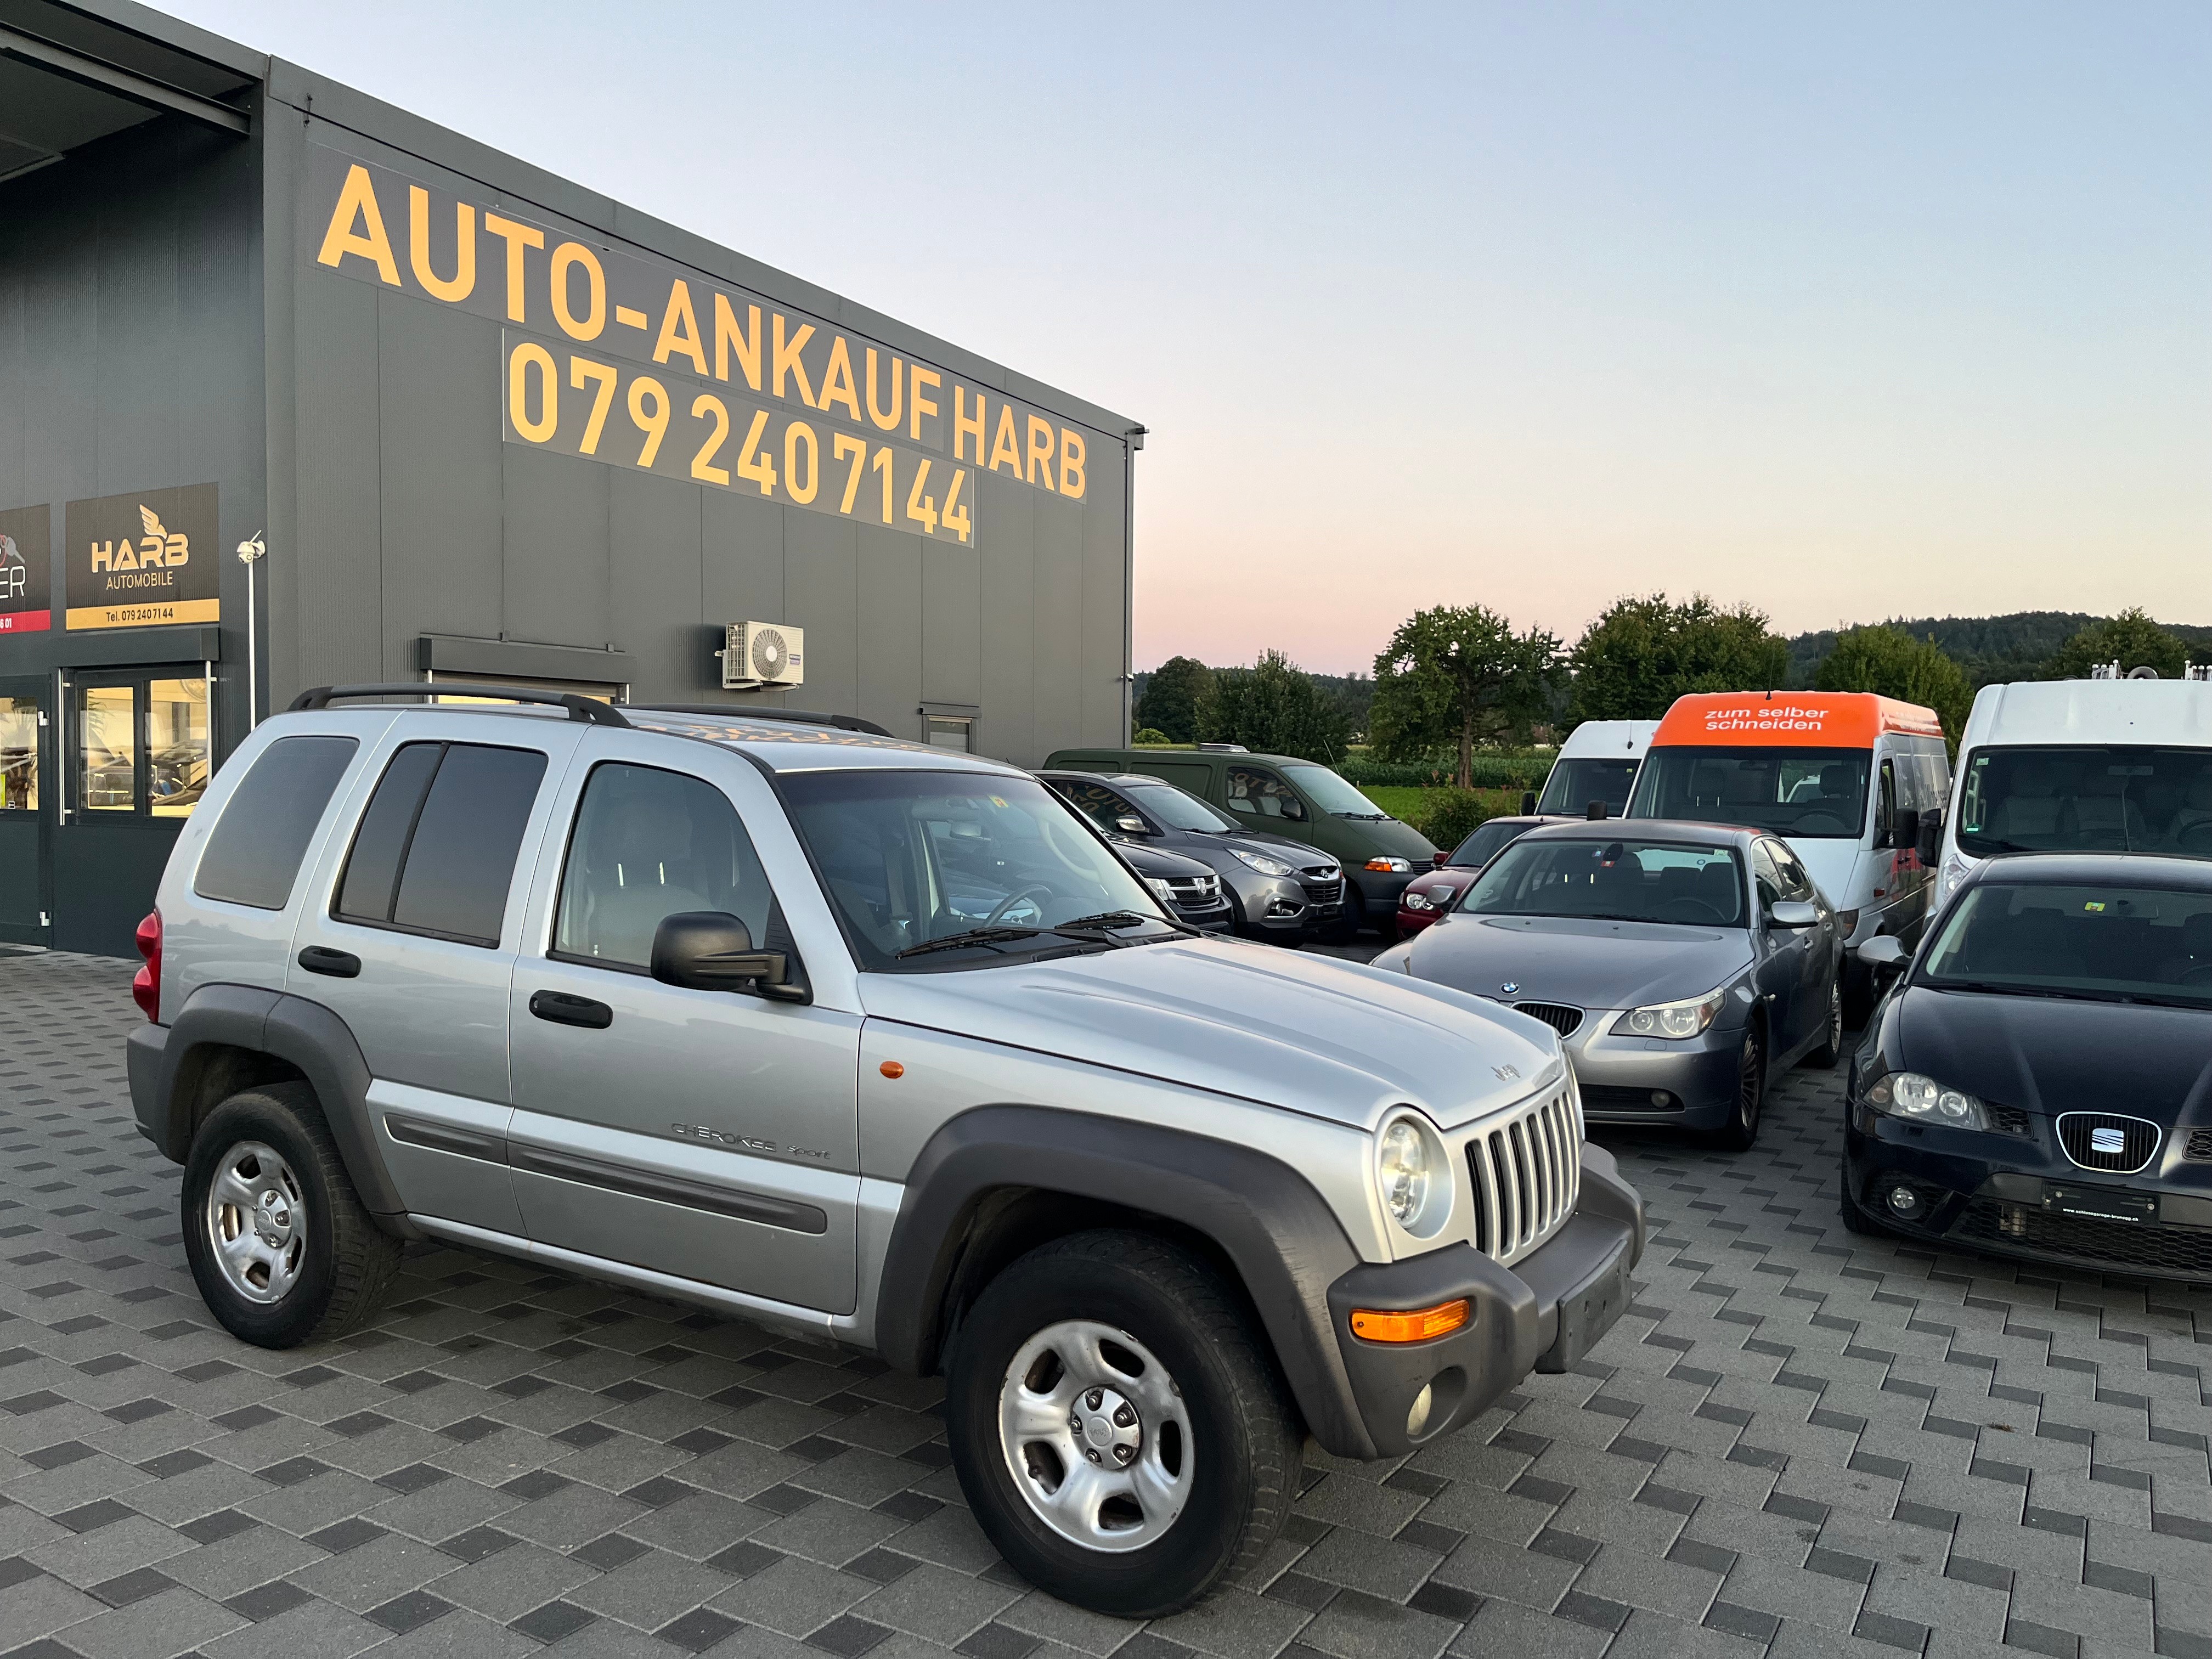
136, 759
26, 809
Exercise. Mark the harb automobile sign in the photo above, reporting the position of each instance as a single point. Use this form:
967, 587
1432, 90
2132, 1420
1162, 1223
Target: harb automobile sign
26, 552
146, 560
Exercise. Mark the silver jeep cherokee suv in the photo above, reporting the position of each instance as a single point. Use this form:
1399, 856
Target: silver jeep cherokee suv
874, 1043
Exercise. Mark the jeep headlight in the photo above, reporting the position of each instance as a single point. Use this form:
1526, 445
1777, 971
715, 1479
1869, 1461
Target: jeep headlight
1410, 1171
1673, 1020
1918, 1098
1260, 861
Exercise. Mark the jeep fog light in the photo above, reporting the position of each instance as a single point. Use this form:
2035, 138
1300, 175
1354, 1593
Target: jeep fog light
1417, 1418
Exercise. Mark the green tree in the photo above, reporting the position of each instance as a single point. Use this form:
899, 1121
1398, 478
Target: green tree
1642, 653
2130, 639
1458, 674
1889, 660
1272, 708
1171, 701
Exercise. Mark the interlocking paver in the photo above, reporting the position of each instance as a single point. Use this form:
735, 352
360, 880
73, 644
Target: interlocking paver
1798, 1440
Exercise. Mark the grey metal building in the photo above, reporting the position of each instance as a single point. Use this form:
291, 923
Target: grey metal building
487, 425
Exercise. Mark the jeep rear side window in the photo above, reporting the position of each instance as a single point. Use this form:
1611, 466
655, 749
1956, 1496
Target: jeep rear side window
436, 850
253, 856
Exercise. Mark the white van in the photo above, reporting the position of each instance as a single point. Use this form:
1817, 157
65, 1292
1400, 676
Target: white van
1844, 777
1597, 762
2104, 766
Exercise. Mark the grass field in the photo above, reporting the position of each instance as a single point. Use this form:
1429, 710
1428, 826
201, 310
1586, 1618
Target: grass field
1407, 803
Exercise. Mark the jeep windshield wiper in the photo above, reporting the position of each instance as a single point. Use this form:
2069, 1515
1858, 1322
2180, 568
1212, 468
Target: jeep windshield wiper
972, 936
1084, 930
1118, 919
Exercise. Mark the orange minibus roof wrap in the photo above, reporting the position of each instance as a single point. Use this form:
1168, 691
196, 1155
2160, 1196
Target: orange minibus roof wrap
1792, 720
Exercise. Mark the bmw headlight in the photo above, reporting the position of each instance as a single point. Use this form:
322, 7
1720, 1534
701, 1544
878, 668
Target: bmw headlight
1260, 861
1410, 1171
1673, 1020
1921, 1099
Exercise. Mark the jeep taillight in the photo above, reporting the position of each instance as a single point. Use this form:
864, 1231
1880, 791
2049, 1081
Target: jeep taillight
146, 984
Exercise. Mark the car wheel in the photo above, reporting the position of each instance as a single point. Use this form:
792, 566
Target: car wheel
1121, 1435
279, 1243
1742, 1129
1831, 1046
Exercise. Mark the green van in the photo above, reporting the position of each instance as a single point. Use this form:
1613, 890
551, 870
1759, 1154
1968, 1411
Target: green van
1300, 800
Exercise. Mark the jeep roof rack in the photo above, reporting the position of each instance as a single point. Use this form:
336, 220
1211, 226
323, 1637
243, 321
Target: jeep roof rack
739, 712
580, 707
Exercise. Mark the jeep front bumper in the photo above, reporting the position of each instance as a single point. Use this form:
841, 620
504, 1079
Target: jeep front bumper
1544, 1313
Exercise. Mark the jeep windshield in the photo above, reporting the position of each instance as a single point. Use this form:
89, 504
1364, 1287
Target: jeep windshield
1793, 791
2105, 799
930, 870
1617, 880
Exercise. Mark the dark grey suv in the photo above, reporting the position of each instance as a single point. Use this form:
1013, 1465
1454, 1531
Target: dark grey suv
1277, 889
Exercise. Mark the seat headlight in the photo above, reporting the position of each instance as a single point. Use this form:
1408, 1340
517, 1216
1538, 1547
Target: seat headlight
1673, 1020
1418, 901
1409, 1172
1260, 861
1921, 1099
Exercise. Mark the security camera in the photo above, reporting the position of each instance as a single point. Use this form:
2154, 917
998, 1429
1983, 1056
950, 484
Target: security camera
248, 552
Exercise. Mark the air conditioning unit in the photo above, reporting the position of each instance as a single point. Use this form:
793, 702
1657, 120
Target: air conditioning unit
755, 654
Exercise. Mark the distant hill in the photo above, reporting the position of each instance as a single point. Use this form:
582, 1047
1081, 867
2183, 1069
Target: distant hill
1991, 649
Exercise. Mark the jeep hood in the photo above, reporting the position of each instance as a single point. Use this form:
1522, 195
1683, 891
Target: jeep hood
1328, 1038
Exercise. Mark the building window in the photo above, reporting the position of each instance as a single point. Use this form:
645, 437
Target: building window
952, 732
19, 753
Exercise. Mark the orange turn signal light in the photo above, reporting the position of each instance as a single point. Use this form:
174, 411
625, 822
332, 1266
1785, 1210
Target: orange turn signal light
891, 1068
1417, 1326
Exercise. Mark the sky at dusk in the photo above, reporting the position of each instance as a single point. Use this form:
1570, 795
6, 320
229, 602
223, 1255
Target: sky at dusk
1848, 311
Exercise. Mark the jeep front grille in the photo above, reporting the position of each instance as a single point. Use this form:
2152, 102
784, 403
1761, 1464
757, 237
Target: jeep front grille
1527, 1174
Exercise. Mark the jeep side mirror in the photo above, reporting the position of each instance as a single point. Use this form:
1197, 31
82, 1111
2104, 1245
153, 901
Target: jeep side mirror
1130, 824
1928, 841
712, 951
1794, 912
1884, 954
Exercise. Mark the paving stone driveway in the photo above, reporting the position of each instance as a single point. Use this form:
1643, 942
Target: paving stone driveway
1796, 1441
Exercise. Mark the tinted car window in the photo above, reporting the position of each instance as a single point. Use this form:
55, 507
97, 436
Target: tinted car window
1479, 848
1179, 810
1620, 879
2134, 944
1574, 784
447, 821
1794, 792
2117, 798
650, 844
253, 856
1096, 802
1262, 795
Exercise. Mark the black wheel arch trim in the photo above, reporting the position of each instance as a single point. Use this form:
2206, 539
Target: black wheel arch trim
1277, 1232
166, 1065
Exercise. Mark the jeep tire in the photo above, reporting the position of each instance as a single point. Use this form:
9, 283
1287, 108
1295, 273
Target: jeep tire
1122, 1350
279, 1243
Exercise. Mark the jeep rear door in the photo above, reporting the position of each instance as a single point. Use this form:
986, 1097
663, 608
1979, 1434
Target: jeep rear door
408, 935
711, 1135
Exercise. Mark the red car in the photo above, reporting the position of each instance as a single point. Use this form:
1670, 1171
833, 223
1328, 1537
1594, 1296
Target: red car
1426, 898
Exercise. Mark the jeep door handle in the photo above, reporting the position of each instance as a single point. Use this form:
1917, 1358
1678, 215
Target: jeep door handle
565, 1010
339, 964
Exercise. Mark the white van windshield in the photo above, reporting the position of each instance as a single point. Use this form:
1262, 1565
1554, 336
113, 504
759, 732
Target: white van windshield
1816, 793
2103, 798
1574, 784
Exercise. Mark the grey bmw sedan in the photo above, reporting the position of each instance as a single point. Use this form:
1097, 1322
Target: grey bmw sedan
1682, 964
